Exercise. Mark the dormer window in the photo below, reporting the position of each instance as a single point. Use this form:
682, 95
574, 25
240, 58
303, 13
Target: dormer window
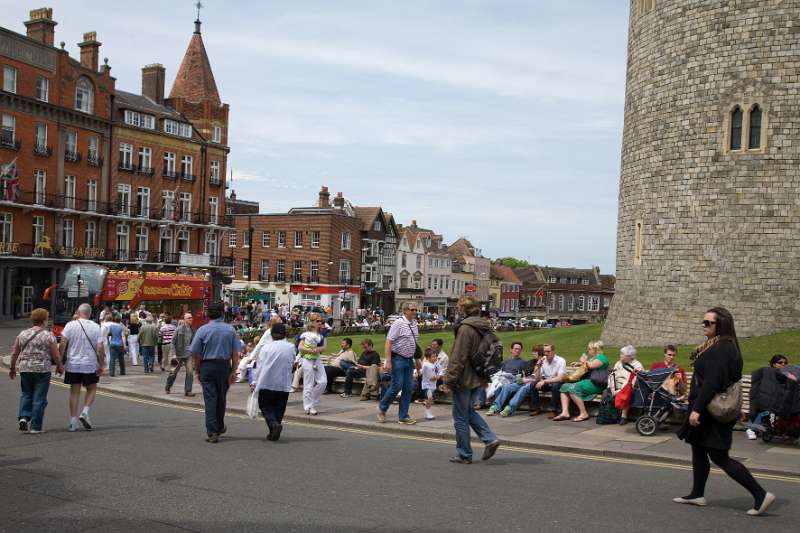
140, 120
181, 129
84, 95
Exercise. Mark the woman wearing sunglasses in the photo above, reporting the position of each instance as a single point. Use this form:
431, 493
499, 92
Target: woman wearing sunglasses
717, 365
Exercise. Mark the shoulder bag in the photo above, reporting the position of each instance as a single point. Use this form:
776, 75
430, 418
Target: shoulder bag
94, 349
417, 349
726, 406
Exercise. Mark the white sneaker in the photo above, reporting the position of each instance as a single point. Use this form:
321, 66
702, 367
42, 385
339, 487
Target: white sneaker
84, 419
35, 431
73, 426
751, 434
313, 411
430, 417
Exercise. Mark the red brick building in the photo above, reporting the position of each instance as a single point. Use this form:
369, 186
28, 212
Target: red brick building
107, 177
309, 256
56, 137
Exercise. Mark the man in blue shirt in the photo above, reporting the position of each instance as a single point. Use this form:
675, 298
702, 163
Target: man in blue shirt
215, 348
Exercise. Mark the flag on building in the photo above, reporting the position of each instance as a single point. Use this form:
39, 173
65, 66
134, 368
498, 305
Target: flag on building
540, 293
10, 181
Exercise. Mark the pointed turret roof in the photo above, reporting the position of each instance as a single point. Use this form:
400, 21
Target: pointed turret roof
195, 80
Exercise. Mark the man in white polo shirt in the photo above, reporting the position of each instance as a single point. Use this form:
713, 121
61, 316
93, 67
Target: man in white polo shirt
85, 363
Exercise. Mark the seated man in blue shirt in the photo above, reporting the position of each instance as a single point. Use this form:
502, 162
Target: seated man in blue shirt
517, 367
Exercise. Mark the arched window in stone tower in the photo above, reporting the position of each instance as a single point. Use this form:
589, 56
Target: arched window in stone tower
754, 133
736, 128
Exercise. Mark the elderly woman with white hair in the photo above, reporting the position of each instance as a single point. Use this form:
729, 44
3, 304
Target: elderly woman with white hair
593, 383
621, 373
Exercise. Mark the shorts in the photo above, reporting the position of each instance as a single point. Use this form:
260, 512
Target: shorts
79, 378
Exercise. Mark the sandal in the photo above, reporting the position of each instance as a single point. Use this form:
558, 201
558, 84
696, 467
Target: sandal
560, 418
580, 418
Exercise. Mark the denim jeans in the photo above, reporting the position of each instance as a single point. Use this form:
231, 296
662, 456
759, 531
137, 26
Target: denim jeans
149, 357
402, 379
34, 397
117, 353
272, 405
504, 394
214, 378
349, 375
465, 417
555, 396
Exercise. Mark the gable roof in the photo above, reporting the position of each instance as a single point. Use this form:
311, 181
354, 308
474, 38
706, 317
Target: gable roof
505, 273
367, 216
138, 102
194, 81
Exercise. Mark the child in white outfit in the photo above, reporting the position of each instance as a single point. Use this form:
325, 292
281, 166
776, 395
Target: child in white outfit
429, 377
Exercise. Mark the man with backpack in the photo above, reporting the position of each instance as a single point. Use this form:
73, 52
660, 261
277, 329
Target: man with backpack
477, 353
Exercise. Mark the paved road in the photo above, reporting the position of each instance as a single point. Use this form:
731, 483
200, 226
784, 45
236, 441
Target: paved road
147, 468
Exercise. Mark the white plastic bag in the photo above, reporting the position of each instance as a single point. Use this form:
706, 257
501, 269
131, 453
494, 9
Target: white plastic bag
252, 405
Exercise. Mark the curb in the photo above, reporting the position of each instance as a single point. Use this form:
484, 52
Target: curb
392, 429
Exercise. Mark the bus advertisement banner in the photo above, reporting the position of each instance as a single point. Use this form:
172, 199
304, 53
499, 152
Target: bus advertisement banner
136, 287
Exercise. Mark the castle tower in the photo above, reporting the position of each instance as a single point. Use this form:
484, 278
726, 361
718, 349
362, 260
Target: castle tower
709, 200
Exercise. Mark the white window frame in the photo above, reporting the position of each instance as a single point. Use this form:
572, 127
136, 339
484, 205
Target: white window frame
6, 227
169, 163
181, 129
142, 237
140, 120
594, 304
187, 164
9, 124
126, 156
216, 134
71, 143
9, 79
165, 236
38, 233
91, 195
90, 234
315, 237
69, 192
211, 243
40, 132
93, 149
143, 201
185, 200
313, 274
263, 272
281, 239
68, 233
232, 239
297, 271
298, 239
145, 158
266, 239
247, 236
215, 171
581, 302
167, 204
183, 236
84, 95
213, 210
344, 270
42, 89
280, 270
347, 240
124, 198
39, 186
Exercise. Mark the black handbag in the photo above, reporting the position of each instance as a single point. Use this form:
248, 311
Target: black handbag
599, 377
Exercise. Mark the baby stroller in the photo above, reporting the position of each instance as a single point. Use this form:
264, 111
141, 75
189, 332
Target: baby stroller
784, 422
655, 394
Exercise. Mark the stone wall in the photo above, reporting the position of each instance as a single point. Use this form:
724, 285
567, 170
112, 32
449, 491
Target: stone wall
718, 227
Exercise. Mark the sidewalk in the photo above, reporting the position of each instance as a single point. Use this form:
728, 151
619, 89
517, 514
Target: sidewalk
520, 430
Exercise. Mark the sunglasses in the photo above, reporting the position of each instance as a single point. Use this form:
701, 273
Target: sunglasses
780, 363
708, 323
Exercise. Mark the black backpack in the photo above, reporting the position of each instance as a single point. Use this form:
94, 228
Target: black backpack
489, 356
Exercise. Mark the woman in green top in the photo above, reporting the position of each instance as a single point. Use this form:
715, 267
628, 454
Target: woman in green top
583, 390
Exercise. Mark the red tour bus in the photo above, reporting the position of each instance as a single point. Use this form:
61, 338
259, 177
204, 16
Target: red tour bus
155, 291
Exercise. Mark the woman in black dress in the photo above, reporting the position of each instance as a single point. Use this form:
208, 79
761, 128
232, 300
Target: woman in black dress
717, 365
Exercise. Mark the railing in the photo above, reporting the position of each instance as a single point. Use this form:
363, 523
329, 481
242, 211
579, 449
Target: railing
9, 142
215, 182
187, 177
94, 160
42, 150
345, 281
72, 155
145, 171
169, 174
410, 290
100, 254
125, 167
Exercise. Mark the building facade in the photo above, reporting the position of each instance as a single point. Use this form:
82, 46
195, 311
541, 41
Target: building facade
709, 197
378, 258
564, 294
55, 206
410, 270
508, 290
463, 252
309, 256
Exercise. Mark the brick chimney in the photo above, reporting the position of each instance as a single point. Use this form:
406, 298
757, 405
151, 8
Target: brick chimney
90, 51
153, 82
41, 27
324, 198
338, 202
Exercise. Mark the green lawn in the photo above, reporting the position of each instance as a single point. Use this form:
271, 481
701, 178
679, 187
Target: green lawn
571, 343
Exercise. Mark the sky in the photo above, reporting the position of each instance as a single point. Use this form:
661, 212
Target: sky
497, 120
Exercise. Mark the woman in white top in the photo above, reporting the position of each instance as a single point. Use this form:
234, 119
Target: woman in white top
314, 380
619, 375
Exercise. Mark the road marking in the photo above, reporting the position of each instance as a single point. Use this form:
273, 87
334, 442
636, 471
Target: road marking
436, 440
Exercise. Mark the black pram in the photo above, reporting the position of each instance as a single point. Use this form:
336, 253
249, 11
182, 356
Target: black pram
654, 393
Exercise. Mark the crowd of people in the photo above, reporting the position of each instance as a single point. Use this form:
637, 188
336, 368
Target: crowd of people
275, 366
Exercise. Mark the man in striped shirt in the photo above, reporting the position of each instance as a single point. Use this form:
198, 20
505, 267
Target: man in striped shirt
167, 332
401, 356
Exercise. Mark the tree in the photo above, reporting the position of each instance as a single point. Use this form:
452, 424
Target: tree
513, 262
